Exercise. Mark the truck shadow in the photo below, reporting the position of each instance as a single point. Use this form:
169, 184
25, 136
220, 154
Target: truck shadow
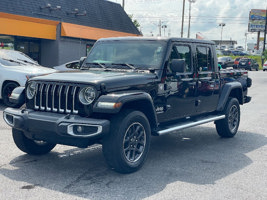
195, 155
2, 106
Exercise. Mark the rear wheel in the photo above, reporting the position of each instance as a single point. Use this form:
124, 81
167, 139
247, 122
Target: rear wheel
7, 91
228, 126
126, 147
32, 147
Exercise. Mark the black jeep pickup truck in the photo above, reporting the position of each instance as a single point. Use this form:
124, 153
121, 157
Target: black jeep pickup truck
129, 89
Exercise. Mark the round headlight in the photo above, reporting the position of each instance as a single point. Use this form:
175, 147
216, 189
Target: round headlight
87, 95
31, 90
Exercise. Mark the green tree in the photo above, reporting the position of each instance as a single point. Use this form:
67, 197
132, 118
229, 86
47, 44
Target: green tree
135, 22
265, 54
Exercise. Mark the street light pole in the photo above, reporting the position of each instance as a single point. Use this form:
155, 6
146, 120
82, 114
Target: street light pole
264, 39
182, 29
164, 27
222, 25
190, 1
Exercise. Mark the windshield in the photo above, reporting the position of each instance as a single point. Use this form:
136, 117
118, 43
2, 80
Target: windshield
141, 54
7, 62
15, 58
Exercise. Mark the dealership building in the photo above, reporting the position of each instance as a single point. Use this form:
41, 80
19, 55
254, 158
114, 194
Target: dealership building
53, 32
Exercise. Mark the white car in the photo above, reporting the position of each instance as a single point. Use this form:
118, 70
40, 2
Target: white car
15, 69
73, 65
264, 67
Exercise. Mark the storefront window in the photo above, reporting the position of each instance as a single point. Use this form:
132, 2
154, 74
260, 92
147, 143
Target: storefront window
88, 48
29, 47
6, 42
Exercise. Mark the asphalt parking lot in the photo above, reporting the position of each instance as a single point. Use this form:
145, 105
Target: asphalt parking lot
191, 164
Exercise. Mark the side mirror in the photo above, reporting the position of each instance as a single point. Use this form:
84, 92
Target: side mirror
178, 65
81, 61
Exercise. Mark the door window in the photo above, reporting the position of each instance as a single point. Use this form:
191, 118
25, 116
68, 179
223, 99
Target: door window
204, 59
182, 52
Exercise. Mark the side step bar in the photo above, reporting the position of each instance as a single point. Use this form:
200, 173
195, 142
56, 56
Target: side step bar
188, 124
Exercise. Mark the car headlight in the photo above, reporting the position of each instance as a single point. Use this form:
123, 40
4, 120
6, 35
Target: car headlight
87, 95
31, 90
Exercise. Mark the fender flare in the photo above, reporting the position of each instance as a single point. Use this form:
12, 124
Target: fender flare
225, 93
114, 102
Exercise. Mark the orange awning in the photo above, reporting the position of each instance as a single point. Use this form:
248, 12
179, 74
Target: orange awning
85, 32
27, 26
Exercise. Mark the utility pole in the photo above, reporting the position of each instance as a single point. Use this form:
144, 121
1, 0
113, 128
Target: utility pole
164, 27
190, 2
182, 29
123, 4
264, 38
246, 37
159, 28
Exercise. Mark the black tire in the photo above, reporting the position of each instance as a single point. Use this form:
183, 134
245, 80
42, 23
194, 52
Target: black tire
126, 147
29, 146
228, 126
6, 92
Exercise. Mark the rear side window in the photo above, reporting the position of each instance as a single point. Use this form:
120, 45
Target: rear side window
204, 61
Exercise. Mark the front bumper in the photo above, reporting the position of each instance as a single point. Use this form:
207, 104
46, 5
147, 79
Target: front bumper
56, 128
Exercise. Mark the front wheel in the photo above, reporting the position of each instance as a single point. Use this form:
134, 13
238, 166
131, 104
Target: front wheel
228, 126
7, 90
126, 147
32, 147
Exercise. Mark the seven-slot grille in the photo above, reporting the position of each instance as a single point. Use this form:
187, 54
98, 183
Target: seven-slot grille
56, 98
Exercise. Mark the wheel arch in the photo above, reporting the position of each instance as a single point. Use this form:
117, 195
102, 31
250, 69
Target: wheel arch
234, 90
146, 107
4, 83
134, 100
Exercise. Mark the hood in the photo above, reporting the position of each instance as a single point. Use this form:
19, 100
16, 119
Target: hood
30, 69
110, 79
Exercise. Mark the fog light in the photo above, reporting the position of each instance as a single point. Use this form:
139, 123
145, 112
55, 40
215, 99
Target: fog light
79, 129
83, 130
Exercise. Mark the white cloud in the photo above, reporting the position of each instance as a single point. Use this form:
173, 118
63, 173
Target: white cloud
206, 16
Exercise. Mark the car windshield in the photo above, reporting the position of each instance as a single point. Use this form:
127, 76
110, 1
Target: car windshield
243, 60
7, 62
130, 54
15, 58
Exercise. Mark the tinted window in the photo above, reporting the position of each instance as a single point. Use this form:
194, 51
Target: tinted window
204, 61
182, 52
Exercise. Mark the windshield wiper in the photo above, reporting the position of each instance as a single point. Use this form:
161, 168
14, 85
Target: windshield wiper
95, 64
125, 64
28, 62
15, 61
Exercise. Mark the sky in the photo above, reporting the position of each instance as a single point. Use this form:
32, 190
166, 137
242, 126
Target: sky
206, 15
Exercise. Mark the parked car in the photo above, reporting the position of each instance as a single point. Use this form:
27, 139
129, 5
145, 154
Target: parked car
226, 61
73, 65
264, 67
239, 48
236, 61
248, 64
15, 69
231, 48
